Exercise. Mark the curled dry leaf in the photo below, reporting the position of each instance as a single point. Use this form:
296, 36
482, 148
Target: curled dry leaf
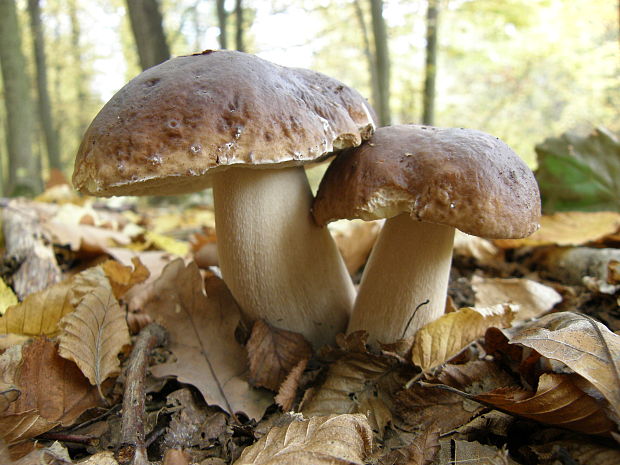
122, 278
581, 451
202, 338
53, 391
329, 440
288, 389
533, 298
94, 334
272, 353
558, 401
442, 339
581, 343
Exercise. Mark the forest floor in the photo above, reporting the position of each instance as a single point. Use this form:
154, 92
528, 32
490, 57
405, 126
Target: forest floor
119, 343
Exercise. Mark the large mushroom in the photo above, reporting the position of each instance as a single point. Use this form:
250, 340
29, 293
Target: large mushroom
244, 126
427, 181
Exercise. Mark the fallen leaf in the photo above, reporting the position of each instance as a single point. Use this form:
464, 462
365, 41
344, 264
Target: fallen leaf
480, 249
288, 389
458, 451
329, 440
442, 339
568, 228
557, 401
7, 297
533, 298
53, 390
422, 451
358, 382
122, 278
584, 345
202, 337
55, 454
166, 243
100, 458
94, 334
581, 451
15, 427
84, 237
354, 239
272, 353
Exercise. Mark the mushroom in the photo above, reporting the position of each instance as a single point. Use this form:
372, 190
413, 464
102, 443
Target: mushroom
246, 127
427, 181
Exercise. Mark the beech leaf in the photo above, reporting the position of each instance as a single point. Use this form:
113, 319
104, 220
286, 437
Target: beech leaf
53, 391
442, 339
584, 345
122, 278
327, 440
288, 389
94, 334
272, 353
202, 337
557, 401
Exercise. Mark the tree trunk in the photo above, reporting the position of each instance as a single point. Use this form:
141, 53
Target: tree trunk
222, 16
79, 75
368, 53
432, 19
24, 175
382, 61
43, 101
239, 45
147, 26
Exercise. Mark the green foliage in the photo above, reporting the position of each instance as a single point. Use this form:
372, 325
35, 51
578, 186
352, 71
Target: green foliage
580, 173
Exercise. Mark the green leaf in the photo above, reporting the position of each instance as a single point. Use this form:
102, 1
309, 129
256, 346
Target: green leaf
580, 173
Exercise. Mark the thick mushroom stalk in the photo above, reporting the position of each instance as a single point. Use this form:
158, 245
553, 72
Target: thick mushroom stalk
405, 282
279, 265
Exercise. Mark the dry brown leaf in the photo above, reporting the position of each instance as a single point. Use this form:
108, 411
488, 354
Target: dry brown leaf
442, 339
288, 389
15, 427
582, 451
122, 278
272, 353
56, 454
354, 384
533, 298
482, 250
100, 458
474, 452
330, 440
581, 343
557, 401
202, 337
354, 239
85, 238
8, 394
94, 334
52, 388
422, 451
568, 228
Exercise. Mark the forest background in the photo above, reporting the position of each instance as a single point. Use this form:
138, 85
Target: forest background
523, 70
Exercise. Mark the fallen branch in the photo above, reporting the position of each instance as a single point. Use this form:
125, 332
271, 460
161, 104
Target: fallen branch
133, 447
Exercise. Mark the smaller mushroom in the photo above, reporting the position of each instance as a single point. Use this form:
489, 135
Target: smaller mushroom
427, 181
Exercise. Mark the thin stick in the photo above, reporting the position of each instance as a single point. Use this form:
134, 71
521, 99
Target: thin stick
133, 449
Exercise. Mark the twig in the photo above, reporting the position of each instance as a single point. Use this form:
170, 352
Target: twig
74, 438
133, 449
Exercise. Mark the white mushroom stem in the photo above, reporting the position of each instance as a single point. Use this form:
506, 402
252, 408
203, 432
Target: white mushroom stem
405, 281
279, 265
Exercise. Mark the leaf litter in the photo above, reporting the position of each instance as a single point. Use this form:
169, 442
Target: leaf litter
498, 380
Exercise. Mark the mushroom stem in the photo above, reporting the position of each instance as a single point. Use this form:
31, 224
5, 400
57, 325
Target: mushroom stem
405, 281
279, 265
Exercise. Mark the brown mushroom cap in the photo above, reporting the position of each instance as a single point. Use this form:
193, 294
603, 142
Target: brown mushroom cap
457, 177
194, 115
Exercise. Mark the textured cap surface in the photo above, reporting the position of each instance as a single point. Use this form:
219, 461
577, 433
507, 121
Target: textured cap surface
193, 115
458, 177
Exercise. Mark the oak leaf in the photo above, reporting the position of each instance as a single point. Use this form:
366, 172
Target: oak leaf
442, 339
272, 353
583, 344
202, 338
94, 334
327, 440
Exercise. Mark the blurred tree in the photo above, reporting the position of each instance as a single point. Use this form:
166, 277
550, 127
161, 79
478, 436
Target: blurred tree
79, 74
432, 18
147, 27
368, 53
23, 168
239, 26
43, 101
382, 61
222, 17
